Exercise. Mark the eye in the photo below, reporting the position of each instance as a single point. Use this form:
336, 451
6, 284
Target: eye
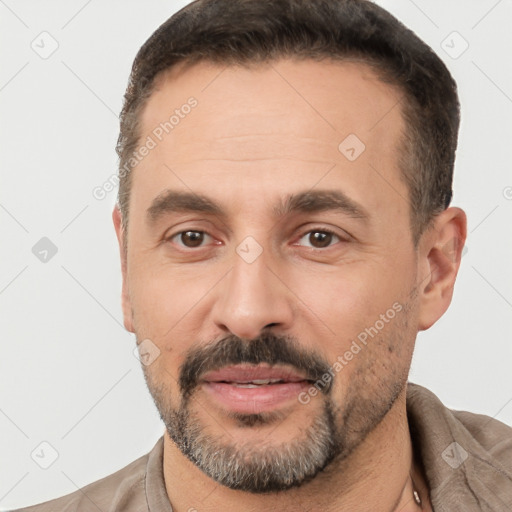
190, 238
320, 238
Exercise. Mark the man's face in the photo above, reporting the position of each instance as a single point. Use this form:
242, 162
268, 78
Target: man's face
254, 292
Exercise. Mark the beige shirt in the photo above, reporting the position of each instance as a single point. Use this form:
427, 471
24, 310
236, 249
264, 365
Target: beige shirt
475, 474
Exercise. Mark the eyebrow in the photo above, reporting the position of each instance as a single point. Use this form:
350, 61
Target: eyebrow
311, 201
173, 201
308, 201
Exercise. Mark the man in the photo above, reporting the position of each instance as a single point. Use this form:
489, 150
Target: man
285, 231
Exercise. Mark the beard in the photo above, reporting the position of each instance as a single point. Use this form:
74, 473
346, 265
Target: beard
249, 467
332, 434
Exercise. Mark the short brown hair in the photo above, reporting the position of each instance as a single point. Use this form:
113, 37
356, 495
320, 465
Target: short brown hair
246, 31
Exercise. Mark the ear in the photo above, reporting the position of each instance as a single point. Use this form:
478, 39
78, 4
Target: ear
125, 296
440, 253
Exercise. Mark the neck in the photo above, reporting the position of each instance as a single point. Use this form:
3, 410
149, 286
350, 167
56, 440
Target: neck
376, 476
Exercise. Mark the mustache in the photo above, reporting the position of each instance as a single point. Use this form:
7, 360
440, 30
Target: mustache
267, 348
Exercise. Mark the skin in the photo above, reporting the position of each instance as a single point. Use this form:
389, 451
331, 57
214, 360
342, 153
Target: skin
257, 135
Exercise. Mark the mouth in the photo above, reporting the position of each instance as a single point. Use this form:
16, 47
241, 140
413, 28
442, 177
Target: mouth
253, 389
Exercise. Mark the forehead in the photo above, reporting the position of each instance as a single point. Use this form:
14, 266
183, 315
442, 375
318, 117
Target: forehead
320, 100
274, 126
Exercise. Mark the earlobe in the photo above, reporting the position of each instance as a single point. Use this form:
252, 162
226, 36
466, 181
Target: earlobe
125, 295
440, 257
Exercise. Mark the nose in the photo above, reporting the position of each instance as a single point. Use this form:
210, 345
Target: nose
252, 297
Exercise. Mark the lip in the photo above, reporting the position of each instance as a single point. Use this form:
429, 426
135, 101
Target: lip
246, 373
223, 386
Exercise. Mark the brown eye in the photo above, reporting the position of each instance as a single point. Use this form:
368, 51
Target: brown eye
190, 239
320, 239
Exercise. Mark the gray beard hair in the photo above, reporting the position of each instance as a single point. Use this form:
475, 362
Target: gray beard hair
247, 468
262, 467
332, 436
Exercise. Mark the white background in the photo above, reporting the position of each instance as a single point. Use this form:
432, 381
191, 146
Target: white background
68, 373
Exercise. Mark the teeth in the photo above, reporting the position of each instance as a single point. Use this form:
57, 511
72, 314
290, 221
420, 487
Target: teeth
255, 383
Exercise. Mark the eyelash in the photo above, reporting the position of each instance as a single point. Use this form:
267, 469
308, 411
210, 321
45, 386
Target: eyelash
317, 230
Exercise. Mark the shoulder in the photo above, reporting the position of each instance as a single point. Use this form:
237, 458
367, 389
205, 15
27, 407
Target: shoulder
492, 435
467, 457
124, 487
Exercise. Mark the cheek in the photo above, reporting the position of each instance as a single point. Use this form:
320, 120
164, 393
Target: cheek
155, 303
352, 296
354, 302
168, 305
